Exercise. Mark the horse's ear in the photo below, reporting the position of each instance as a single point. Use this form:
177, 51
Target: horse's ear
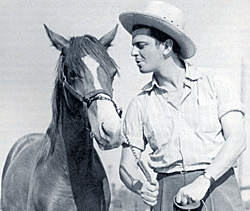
57, 40
109, 37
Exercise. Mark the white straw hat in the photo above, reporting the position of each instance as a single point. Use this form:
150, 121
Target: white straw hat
164, 17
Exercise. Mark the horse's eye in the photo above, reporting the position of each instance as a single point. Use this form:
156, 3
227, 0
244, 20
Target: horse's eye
112, 78
113, 75
72, 74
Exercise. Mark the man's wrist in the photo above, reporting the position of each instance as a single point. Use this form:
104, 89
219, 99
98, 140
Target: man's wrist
208, 176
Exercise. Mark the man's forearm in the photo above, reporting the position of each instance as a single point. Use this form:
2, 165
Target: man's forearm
227, 156
130, 182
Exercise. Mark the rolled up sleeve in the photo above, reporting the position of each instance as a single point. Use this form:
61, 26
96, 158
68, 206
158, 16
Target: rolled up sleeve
133, 125
228, 95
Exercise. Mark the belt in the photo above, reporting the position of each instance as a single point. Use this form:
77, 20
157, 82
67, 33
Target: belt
162, 175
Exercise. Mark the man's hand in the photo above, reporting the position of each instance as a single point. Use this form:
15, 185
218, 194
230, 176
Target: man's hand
149, 192
193, 192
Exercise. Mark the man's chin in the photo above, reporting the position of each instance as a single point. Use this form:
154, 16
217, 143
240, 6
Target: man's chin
143, 71
140, 68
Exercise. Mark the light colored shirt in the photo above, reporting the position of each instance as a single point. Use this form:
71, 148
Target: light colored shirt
185, 136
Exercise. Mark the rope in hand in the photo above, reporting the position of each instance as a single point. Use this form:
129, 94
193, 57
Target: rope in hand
146, 173
139, 162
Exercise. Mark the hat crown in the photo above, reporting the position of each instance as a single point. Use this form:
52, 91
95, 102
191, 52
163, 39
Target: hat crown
167, 12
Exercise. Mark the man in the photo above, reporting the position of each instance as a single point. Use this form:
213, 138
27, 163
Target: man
192, 121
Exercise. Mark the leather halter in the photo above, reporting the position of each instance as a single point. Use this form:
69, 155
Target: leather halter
90, 97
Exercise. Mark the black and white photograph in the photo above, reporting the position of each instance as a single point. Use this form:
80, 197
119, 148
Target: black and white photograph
124, 105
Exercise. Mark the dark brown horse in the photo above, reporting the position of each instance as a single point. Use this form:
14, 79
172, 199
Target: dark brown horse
61, 170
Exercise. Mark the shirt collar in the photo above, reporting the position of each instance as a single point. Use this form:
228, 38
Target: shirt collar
192, 74
149, 86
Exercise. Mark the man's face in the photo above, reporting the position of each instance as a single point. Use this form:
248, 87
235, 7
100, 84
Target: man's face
148, 55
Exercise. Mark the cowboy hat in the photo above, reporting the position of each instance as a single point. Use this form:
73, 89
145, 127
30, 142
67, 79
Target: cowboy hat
164, 17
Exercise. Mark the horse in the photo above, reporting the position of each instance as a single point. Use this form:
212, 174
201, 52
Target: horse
61, 170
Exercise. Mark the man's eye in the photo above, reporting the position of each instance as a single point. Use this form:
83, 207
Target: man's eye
140, 45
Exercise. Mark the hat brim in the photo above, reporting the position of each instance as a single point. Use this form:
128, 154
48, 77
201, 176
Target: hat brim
187, 46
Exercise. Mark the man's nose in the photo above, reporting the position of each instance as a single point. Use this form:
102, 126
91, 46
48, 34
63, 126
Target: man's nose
134, 51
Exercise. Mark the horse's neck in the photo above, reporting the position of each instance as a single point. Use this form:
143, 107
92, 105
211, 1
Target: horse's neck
75, 132
83, 165
80, 154
69, 138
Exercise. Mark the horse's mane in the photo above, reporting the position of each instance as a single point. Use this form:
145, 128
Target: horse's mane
70, 62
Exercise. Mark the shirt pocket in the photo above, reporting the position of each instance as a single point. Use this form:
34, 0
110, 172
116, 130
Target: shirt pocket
207, 119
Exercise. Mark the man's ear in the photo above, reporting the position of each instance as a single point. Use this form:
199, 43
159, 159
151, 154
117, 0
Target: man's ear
168, 46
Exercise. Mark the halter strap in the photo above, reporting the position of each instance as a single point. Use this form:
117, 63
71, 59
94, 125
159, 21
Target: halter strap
90, 97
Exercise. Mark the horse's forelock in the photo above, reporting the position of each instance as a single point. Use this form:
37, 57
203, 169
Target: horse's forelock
97, 51
87, 45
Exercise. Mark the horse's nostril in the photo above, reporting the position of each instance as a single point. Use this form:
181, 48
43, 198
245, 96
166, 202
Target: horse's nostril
106, 132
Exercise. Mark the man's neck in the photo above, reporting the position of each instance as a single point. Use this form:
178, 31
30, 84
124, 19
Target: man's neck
172, 74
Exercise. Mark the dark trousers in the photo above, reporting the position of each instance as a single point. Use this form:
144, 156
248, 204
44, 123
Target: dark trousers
223, 195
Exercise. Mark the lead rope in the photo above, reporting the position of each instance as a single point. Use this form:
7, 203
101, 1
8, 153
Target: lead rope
138, 161
204, 205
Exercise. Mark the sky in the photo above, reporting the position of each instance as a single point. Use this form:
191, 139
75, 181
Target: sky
220, 29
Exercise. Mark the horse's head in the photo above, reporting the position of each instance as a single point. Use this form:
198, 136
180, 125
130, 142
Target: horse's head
87, 73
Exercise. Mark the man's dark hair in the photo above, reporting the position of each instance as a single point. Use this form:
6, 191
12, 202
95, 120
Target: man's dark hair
159, 36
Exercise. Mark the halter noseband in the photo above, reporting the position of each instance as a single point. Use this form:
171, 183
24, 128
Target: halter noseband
90, 97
